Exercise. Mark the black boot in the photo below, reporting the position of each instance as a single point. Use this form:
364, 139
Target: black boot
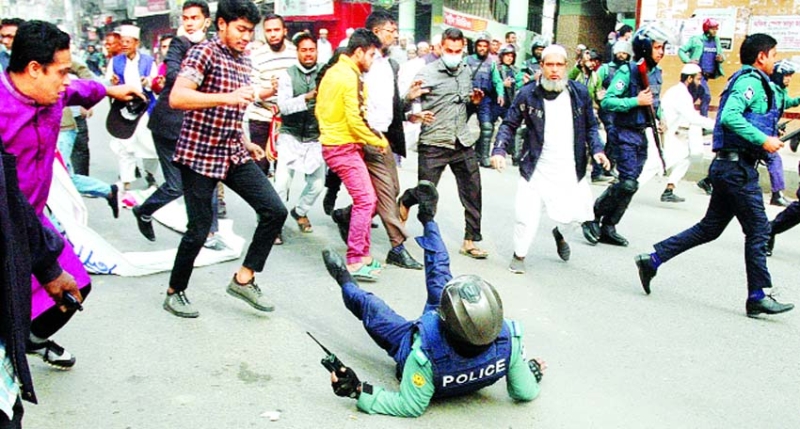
609, 235
336, 266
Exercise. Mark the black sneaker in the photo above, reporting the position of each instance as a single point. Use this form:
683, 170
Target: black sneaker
145, 224
766, 305
52, 354
669, 197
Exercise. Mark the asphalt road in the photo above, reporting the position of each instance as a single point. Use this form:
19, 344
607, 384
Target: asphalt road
684, 357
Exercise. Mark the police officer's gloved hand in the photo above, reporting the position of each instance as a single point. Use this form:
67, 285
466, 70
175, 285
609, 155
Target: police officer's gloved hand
536, 369
346, 384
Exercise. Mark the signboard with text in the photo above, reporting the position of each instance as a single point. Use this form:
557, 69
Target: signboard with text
785, 29
463, 21
303, 7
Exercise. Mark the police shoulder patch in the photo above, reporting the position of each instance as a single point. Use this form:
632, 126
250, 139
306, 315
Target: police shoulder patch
620, 85
418, 380
748, 94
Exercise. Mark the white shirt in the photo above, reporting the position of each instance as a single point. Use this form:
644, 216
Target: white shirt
131, 74
324, 51
677, 110
379, 81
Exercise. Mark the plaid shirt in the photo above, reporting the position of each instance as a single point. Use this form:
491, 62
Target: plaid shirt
211, 139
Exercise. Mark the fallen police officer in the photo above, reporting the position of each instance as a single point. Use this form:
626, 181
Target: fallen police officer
459, 345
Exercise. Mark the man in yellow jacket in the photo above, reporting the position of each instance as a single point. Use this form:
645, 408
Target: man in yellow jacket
345, 136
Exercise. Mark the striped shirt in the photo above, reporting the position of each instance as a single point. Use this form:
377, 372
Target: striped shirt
9, 388
212, 139
266, 64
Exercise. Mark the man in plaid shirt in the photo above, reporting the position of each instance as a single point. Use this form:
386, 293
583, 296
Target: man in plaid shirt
214, 88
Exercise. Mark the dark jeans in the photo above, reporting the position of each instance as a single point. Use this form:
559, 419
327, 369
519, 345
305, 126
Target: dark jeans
464, 165
80, 151
259, 132
391, 331
252, 185
51, 321
736, 193
16, 423
172, 188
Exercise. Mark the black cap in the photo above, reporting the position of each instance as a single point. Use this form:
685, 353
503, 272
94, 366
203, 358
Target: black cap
124, 116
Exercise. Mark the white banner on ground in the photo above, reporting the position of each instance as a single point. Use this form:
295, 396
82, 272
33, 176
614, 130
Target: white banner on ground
101, 257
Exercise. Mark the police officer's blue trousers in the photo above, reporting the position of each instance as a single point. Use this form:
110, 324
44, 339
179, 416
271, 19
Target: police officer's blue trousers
388, 329
703, 93
787, 219
736, 193
632, 154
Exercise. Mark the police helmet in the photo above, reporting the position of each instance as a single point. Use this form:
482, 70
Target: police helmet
782, 69
507, 49
709, 23
539, 42
471, 310
642, 42
483, 37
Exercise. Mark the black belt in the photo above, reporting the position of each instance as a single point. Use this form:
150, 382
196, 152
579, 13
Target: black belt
708, 75
728, 156
732, 156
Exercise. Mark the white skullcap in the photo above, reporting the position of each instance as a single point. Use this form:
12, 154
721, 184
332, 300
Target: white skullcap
691, 69
436, 40
130, 31
554, 49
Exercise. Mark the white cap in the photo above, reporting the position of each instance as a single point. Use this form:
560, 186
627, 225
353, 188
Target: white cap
691, 69
129, 31
349, 32
323, 31
554, 49
436, 40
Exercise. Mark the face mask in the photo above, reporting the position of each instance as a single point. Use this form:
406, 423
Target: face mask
451, 61
197, 36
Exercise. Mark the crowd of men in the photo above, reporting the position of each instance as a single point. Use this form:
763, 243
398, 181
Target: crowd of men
219, 110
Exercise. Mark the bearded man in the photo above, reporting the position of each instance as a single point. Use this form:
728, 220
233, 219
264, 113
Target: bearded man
553, 160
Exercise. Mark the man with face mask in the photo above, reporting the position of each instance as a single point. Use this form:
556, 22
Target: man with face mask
683, 139
446, 141
165, 122
563, 129
269, 61
486, 78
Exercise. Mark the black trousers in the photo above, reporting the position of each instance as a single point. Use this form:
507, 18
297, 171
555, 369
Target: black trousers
80, 151
464, 165
252, 185
51, 321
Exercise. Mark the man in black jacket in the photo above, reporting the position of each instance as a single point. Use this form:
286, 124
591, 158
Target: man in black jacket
553, 159
27, 248
165, 122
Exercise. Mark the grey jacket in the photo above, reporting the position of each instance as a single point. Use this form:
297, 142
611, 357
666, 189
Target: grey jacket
448, 99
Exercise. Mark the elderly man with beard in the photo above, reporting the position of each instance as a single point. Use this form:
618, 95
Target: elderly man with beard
269, 61
554, 154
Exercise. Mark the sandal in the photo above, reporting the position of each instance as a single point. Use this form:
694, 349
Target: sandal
302, 222
365, 274
474, 253
374, 265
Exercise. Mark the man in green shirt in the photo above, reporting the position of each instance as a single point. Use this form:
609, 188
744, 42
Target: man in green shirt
460, 344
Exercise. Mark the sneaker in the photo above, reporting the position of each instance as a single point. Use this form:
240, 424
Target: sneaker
517, 266
249, 293
669, 197
178, 304
214, 243
128, 200
52, 354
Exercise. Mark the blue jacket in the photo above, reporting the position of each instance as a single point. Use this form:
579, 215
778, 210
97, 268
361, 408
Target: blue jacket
528, 108
146, 64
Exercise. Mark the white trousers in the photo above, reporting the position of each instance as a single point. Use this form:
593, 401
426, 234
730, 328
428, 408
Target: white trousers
680, 150
139, 146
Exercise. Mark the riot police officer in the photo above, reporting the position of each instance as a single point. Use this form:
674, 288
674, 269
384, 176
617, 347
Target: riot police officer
744, 133
459, 345
531, 69
485, 77
633, 105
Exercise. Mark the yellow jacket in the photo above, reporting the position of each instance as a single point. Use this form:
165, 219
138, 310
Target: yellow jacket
339, 111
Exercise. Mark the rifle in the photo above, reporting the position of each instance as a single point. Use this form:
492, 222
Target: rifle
651, 114
782, 125
793, 137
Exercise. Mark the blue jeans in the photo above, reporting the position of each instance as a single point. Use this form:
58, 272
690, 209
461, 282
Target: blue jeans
388, 329
86, 185
736, 193
250, 183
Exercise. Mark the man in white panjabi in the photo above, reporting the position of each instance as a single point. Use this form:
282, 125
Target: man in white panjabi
563, 129
683, 139
136, 69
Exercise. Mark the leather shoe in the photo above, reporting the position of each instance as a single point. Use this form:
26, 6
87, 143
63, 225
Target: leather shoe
609, 235
766, 305
778, 200
113, 200
403, 259
591, 231
646, 270
145, 224
706, 186
341, 217
669, 197
428, 198
562, 248
336, 266
770, 244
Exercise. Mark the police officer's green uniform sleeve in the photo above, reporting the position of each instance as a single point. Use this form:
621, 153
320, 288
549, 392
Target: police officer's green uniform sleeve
686, 50
416, 389
747, 94
616, 99
521, 384
497, 80
574, 73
